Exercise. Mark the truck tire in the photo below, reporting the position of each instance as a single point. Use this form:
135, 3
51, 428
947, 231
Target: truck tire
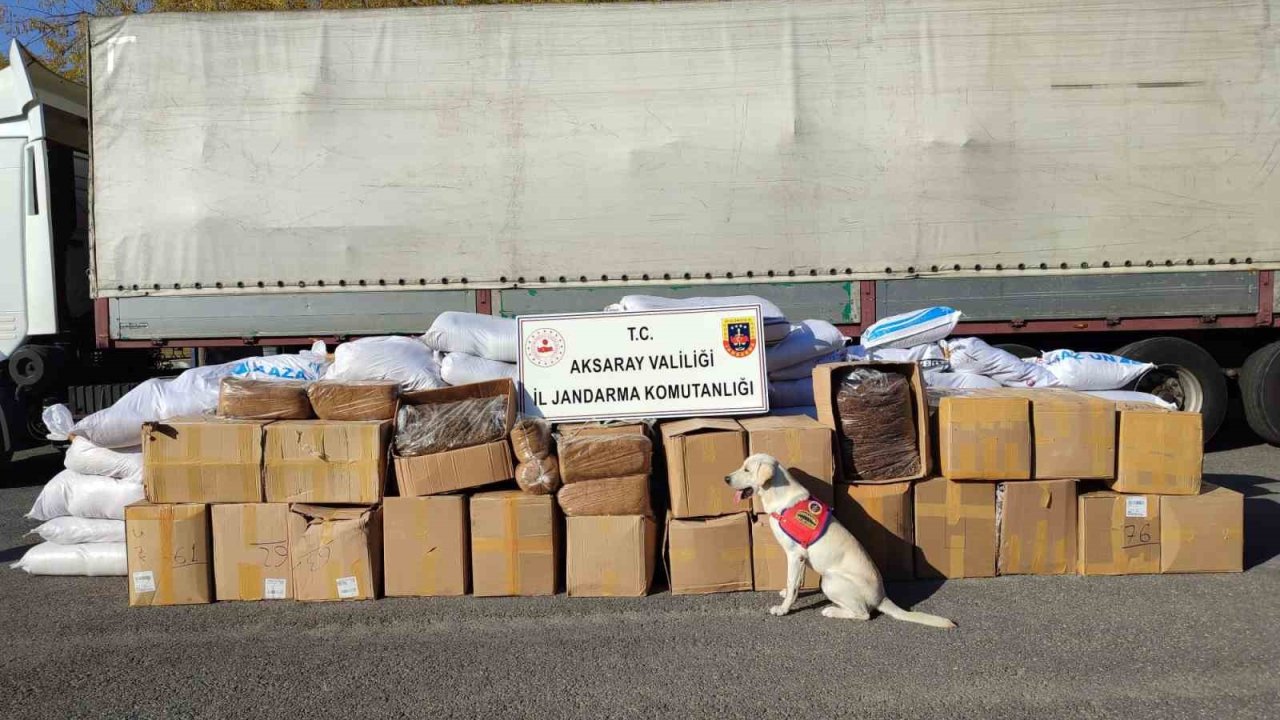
1022, 351
1185, 374
1260, 391
33, 366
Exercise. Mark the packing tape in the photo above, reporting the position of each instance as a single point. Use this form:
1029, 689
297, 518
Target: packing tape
332, 568
430, 584
511, 528
250, 581
1041, 556
164, 564
609, 582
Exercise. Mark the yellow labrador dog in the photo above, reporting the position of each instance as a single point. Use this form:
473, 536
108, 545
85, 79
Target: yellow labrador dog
806, 530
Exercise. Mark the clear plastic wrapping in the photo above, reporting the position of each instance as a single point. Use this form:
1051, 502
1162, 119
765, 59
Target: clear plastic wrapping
540, 476
264, 399
607, 496
877, 426
354, 399
531, 439
439, 427
594, 457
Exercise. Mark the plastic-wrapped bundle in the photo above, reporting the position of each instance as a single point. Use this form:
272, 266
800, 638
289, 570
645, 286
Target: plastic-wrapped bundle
89, 559
91, 496
593, 457
531, 439
264, 399
434, 428
354, 399
877, 426
540, 476
87, 458
485, 336
607, 496
399, 359
69, 530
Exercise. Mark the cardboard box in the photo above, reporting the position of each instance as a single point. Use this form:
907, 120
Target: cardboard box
610, 556
251, 551
572, 430
882, 518
1202, 533
464, 468
426, 546
802, 445
955, 529
1118, 534
700, 453
826, 382
709, 555
327, 461
202, 460
515, 544
1074, 434
1160, 451
336, 552
168, 551
1037, 527
984, 436
769, 562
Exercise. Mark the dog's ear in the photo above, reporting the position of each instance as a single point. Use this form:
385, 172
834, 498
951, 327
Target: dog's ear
764, 472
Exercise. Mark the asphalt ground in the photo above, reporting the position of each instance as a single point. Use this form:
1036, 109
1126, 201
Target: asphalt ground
1050, 647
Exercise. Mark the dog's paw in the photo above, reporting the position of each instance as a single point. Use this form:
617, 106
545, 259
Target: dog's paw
778, 610
782, 593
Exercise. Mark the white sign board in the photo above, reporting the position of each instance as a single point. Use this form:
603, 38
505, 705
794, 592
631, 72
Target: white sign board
651, 364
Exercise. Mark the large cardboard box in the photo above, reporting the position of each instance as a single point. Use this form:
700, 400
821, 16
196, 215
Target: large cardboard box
802, 445
826, 383
1037, 527
327, 461
426, 546
1074, 434
1202, 533
955, 529
202, 460
769, 562
251, 551
700, 453
336, 552
168, 554
1118, 534
610, 556
984, 436
1160, 451
882, 518
464, 468
709, 555
515, 544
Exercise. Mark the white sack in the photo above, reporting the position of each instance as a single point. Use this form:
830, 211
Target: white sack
791, 393
486, 336
392, 357
958, 380
463, 369
776, 326
807, 340
805, 369
90, 559
87, 458
1092, 370
976, 357
910, 329
806, 410
931, 356
69, 530
90, 496
1131, 396
305, 365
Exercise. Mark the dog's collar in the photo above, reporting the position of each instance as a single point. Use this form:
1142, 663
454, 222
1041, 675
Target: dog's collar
805, 522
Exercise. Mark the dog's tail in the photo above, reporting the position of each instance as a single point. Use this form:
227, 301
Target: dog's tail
888, 607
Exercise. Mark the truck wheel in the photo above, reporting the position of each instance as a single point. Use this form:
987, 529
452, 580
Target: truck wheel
1021, 351
1260, 391
1185, 375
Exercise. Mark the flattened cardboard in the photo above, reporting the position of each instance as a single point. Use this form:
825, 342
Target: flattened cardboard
984, 437
803, 446
709, 555
700, 453
1202, 533
1037, 527
168, 554
882, 519
453, 470
1160, 451
326, 461
515, 544
251, 551
336, 552
826, 381
426, 546
955, 529
202, 460
1074, 434
769, 562
610, 556
1118, 534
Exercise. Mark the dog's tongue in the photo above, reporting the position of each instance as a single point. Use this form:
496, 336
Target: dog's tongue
740, 495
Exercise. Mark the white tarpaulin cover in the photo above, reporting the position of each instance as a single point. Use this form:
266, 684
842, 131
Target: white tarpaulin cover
634, 138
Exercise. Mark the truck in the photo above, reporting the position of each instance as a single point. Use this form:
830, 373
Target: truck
1098, 177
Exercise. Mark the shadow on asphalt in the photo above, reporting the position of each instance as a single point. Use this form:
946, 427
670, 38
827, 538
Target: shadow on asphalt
32, 470
1261, 516
12, 554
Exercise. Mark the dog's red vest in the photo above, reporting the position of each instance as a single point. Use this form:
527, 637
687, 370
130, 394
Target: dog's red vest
805, 522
